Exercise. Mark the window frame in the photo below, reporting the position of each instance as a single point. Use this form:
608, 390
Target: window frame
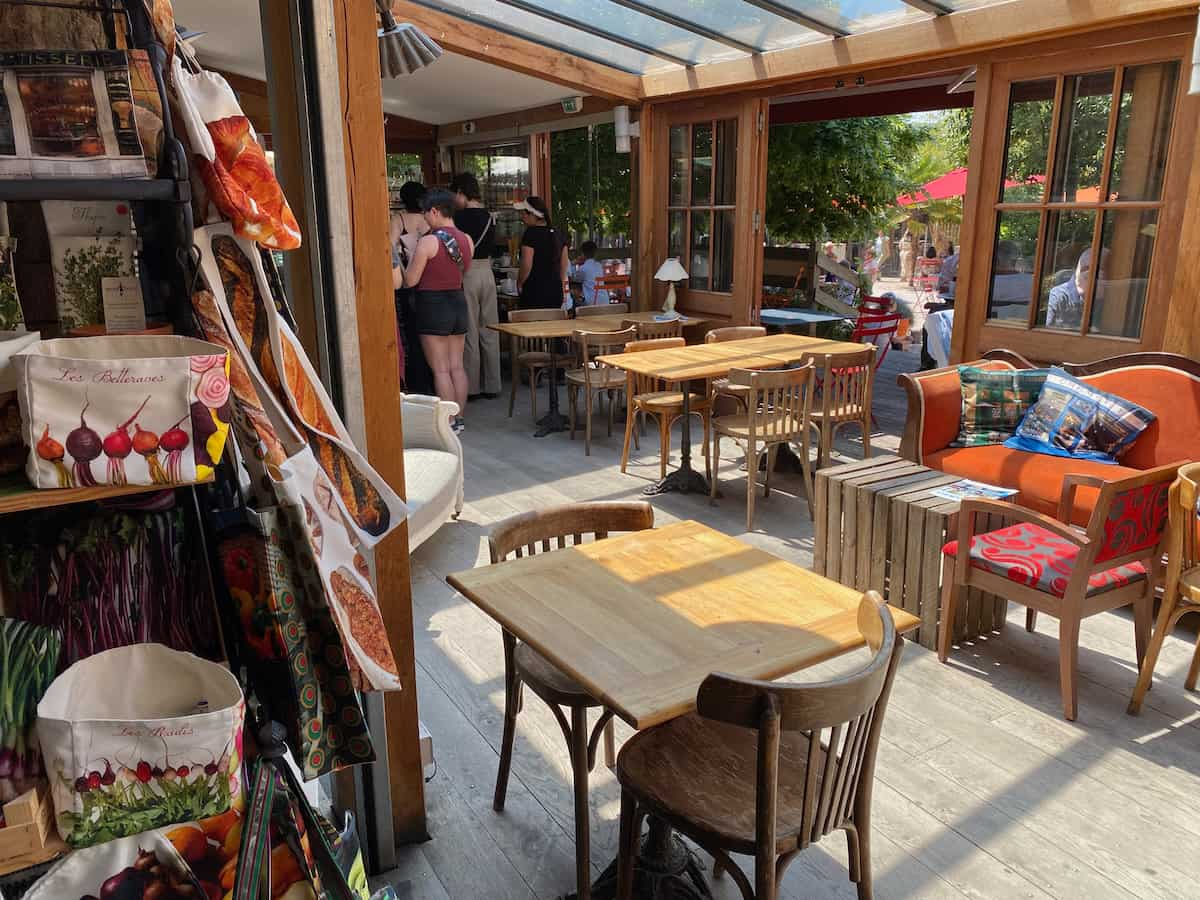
983, 206
712, 207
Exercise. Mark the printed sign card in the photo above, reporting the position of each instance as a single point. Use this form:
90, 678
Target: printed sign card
124, 310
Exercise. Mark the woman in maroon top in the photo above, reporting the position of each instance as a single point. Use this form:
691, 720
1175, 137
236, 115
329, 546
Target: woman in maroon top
436, 271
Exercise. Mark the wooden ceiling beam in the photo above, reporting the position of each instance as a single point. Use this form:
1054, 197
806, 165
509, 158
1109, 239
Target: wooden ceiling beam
987, 27
519, 55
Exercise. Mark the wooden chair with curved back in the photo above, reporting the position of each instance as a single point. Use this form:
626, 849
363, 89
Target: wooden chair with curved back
602, 309
1182, 593
527, 534
652, 331
845, 397
595, 379
779, 406
766, 769
531, 354
648, 395
720, 387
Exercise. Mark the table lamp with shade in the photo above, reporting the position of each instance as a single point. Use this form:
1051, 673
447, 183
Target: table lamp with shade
670, 271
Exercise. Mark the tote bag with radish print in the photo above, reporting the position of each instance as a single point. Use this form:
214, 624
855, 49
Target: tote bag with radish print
140, 737
135, 409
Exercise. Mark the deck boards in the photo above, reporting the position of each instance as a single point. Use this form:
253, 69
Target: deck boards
983, 791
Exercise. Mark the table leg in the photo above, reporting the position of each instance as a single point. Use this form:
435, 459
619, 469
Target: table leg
684, 479
665, 870
554, 420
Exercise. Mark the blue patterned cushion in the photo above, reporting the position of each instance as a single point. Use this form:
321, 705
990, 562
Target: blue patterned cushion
1072, 418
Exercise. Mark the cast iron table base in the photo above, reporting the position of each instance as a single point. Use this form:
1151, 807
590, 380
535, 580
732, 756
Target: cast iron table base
665, 870
554, 420
685, 479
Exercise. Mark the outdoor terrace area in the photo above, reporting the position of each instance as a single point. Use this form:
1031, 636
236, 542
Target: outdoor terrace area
982, 789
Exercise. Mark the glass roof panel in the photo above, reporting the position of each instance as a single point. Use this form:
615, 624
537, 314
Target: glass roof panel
534, 27
637, 27
739, 20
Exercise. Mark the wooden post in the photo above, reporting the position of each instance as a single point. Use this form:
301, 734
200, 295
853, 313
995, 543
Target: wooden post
356, 29
646, 261
1182, 334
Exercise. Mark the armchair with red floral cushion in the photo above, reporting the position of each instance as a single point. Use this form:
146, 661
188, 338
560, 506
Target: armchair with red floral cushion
1063, 570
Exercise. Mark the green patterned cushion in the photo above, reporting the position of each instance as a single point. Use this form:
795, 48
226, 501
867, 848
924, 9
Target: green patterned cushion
993, 403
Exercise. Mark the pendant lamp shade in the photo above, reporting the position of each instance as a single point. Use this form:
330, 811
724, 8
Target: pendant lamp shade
402, 48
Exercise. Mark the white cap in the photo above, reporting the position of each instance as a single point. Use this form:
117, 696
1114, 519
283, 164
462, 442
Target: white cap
523, 206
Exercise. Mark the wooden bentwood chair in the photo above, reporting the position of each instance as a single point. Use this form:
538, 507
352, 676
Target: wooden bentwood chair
1182, 593
532, 354
651, 396
720, 387
650, 331
603, 309
595, 379
766, 769
845, 397
779, 405
529, 534
1064, 571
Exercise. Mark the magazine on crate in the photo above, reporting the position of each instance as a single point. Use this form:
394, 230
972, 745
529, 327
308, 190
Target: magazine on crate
966, 489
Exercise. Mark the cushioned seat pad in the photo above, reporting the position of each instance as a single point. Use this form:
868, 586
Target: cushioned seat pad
1029, 554
1038, 477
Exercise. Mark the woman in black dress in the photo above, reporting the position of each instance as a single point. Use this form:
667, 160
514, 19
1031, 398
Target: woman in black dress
542, 276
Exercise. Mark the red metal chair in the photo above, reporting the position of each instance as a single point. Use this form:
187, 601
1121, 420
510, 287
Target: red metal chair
877, 329
1064, 571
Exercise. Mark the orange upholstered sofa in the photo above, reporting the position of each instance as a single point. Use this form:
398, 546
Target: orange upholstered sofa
1164, 383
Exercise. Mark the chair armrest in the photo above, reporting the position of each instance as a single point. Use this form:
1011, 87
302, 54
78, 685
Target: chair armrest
426, 423
1012, 512
1066, 500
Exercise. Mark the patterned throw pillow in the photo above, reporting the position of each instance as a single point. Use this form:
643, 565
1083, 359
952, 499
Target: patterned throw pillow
1072, 418
994, 402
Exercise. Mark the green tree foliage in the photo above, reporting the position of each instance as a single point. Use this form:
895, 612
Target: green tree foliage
608, 181
837, 179
402, 167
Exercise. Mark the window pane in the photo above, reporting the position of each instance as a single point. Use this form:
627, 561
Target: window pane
702, 164
726, 180
1143, 131
698, 269
676, 228
1066, 268
1030, 108
722, 279
1012, 265
1127, 245
1082, 136
679, 165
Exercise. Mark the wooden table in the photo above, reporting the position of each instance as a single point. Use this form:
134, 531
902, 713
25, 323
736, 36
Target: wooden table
879, 527
702, 361
552, 329
642, 619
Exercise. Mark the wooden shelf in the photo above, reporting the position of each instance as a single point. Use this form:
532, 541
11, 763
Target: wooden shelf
17, 496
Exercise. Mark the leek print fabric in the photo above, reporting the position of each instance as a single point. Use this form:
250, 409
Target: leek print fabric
994, 402
1029, 554
1072, 418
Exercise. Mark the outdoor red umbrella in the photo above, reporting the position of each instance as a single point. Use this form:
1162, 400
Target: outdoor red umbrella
952, 184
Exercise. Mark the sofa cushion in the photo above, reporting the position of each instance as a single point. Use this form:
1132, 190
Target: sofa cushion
1173, 396
1029, 554
1076, 419
1036, 476
431, 484
941, 405
994, 402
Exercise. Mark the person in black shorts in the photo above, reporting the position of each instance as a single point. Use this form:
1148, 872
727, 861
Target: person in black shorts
436, 271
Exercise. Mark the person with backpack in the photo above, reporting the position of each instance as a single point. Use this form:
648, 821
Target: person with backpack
439, 262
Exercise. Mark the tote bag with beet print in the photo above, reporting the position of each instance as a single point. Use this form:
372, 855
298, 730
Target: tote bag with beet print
137, 409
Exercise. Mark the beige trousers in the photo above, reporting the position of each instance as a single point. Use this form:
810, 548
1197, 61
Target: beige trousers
481, 354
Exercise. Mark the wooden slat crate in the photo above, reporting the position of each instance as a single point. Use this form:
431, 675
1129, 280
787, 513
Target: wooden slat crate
879, 527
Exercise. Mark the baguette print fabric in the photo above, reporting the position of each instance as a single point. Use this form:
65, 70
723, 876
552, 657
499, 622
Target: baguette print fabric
311, 465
